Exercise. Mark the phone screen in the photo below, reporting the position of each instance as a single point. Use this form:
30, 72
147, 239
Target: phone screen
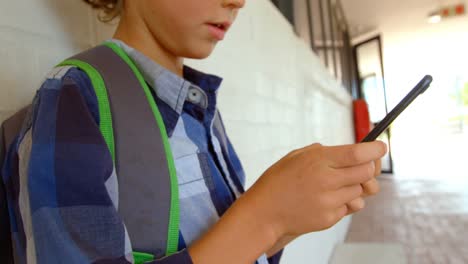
420, 88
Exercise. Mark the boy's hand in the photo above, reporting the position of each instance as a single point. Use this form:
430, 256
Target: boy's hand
310, 188
369, 188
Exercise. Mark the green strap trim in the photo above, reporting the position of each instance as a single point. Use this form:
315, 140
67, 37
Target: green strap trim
105, 116
173, 229
141, 258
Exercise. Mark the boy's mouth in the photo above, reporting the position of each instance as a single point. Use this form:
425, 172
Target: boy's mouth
221, 25
218, 29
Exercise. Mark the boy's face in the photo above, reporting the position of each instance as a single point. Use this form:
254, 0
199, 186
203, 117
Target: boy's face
186, 27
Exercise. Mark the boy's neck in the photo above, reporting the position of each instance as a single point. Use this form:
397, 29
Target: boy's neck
137, 35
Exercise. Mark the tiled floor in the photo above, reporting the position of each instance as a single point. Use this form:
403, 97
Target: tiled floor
429, 218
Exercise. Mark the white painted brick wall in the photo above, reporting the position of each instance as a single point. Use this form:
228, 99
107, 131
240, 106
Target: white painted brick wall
35, 35
276, 95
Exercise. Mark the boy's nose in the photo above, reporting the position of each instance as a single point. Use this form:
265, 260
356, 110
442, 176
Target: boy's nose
234, 3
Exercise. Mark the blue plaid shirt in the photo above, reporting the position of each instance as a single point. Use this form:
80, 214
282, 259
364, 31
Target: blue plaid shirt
62, 185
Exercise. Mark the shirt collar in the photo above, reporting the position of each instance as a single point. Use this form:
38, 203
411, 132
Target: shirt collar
169, 87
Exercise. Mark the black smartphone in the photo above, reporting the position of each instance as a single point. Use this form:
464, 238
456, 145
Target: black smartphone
420, 88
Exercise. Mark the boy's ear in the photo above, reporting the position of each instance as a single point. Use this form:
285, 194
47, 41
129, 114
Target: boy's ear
108, 9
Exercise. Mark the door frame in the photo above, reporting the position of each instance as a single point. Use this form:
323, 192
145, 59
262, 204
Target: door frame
359, 93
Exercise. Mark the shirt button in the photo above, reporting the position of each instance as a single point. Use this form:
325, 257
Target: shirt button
194, 96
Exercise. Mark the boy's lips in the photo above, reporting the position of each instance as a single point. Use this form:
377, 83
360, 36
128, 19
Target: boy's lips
219, 29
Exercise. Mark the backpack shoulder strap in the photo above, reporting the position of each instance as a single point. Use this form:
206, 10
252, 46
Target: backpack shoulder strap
135, 133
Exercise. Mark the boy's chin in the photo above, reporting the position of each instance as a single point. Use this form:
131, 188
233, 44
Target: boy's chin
201, 52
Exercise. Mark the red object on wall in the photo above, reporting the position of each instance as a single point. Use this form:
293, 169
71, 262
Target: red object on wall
460, 9
361, 119
445, 12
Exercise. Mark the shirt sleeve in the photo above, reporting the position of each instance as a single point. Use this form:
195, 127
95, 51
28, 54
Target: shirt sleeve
68, 189
275, 259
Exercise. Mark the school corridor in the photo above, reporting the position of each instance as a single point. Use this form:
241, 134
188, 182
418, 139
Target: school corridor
421, 212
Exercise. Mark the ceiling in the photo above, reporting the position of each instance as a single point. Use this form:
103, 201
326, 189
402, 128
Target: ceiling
369, 15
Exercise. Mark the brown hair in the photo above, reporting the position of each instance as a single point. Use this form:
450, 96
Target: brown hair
108, 9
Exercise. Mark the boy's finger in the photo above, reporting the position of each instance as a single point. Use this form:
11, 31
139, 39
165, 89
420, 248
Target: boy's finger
347, 194
378, 167
355, 154
371, 187
355, 205
352, 175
